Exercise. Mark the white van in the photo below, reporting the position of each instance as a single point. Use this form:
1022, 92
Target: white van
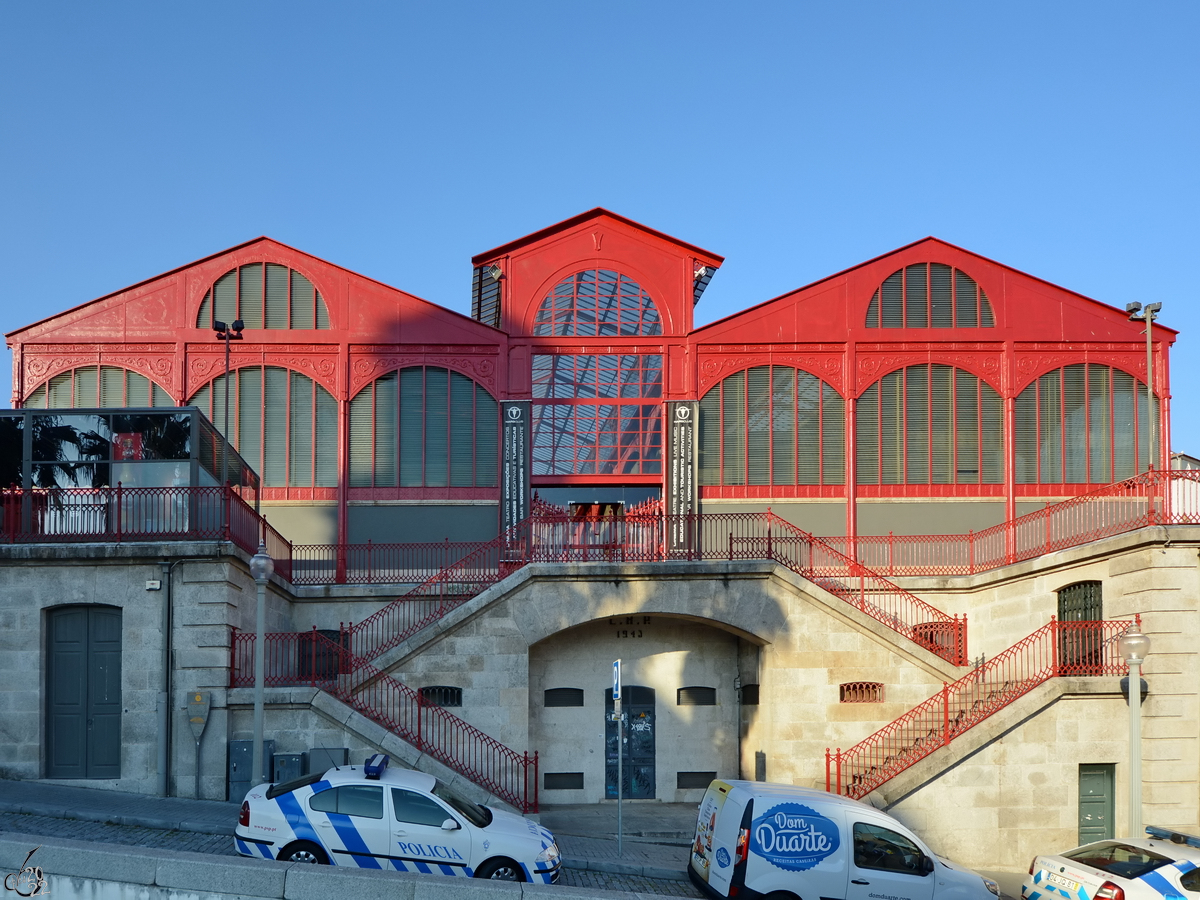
780, 841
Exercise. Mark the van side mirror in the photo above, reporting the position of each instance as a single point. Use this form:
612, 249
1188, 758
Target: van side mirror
926, 865
450, 825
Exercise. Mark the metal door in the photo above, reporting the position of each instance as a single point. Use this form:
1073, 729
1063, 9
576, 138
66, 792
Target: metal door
1096, 802
638, 763
83, 693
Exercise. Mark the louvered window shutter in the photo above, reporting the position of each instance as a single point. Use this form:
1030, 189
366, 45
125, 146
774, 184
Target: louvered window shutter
387, 410
137, 389
733, 402
833, 436
1099, 424
966, 301
218, 399
966, 428
112, 387
300, 441
1027, 436
916, 296
322, 312
986, 320
941, 424
412, 430
487, 447
867, 438
710, 436
992, 431
302, 302
250, 298
225, 298
462, 430
436, 404
1075, 425
202, 400
159, 397
250, 416
204, 317
941, 296
362, 440
891, 428
1144, 450
36, 400
893, 300
277, 296
325, 438
783, 424
808, 428
1050, 430
275, 427
916, 424
1125, 430
758, 425
873, 311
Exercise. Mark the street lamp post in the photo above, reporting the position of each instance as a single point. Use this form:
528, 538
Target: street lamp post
1134, 647
227, 333
1139, 313
261, 569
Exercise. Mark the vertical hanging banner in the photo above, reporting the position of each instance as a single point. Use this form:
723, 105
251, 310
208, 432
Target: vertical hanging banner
682, 498
514, 463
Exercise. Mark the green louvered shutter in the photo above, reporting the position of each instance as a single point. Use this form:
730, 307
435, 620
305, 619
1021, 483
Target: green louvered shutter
412, 431
204, 318
941, 424
783, 425
362, 439
941, 296
1075, 423
159, 397
326, 438
892, 302
1099, 424
436, 425
758, 425
322, 312
710, 436
1026, 451
916, 425
833, 436
916, 296
867, 438
225, 298
808, 428
303, 308
891, 428
1125, 429
137, 389
275, 426
733, 415
85, 387
218, 399
462, 430
966, 428
387, 409
36, 400
300, 438
966, 301
991, 419
1050, 427
487, 445
250, 416
277, 296
202, 400
250, 305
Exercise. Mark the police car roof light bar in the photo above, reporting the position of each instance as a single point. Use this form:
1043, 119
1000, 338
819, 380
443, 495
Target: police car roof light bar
1175, 837
373, 766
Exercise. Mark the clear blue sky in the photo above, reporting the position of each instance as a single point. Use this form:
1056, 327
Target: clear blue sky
795, 139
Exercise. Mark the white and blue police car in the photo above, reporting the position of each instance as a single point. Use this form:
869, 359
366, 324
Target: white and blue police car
375, 817
1165, 865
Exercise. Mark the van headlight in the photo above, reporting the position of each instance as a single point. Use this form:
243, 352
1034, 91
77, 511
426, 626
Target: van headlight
549, 855
991, 886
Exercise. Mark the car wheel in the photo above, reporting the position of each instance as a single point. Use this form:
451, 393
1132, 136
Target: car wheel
304, 852
500, 870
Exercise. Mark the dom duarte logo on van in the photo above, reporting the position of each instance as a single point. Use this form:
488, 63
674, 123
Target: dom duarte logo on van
793, 837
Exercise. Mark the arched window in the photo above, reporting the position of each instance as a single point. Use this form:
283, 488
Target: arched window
930, 295
591, 415
284, 424
930, 424
423, 427
772, 425
107, 386
264, 295
597, 303
1080, 424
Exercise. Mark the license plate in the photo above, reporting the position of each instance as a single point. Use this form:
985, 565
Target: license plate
1062, 881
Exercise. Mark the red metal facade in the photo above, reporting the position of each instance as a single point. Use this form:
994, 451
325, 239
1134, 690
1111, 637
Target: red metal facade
821, 329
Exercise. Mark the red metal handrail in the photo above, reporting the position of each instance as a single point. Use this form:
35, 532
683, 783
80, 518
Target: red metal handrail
1055, 649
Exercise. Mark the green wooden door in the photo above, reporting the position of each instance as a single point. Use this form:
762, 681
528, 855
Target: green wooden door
83, 693
1096, 802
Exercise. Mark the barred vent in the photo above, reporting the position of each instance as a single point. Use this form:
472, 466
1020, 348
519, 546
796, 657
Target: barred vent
685, 781
697, 696
564, 697
563, 781
860, 692
441, 695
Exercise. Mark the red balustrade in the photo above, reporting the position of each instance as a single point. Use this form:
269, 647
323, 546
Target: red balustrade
1056, 649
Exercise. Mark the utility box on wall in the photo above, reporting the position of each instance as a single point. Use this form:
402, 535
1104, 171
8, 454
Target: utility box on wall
241, 759
289, 766
322, 758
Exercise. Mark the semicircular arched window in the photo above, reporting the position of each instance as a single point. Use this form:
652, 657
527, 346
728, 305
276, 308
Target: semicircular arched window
275, 417
930, 424
597, 303
424, 426
105, 386
772, 425
930, 295
264, 295
1084, 423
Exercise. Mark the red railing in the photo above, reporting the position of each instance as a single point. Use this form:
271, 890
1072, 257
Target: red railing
320, 659
1059, 648
1153, 498
372, 563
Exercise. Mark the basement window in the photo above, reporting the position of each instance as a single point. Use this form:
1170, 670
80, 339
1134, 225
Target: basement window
685, 781
860, 692
441, 695
564, 697
696, 696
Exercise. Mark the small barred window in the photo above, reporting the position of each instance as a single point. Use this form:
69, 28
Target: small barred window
441, 695
860, 692
696, 696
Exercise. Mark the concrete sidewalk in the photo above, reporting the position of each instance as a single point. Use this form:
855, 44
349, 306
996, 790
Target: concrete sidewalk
655, 844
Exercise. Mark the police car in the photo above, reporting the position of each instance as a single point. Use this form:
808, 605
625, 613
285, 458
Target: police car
399, 820
1159, 867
